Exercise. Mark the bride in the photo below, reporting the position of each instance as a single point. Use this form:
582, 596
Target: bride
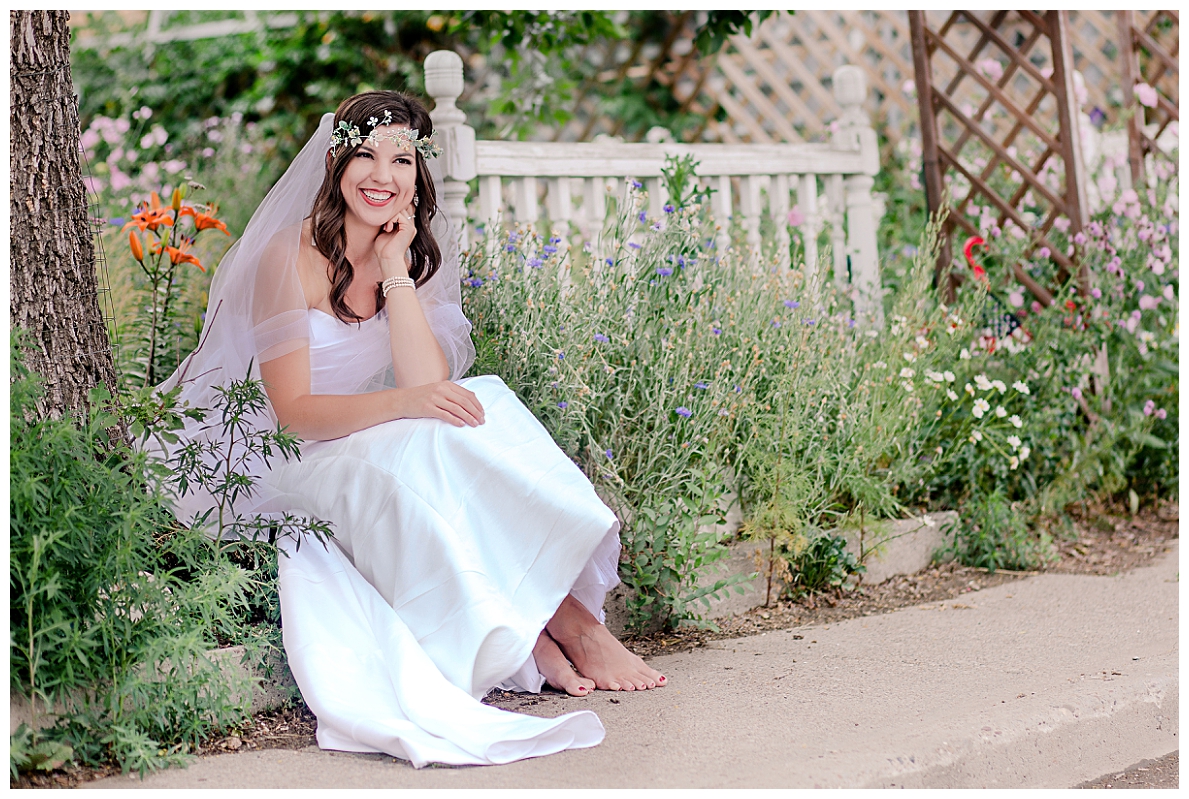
469, 552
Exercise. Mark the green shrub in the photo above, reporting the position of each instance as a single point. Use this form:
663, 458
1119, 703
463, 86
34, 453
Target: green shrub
823, 563
114, 607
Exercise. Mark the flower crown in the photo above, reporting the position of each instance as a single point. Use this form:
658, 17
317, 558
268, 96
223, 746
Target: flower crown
346, 133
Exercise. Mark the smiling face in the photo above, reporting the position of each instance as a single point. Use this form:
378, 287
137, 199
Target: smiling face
379, 181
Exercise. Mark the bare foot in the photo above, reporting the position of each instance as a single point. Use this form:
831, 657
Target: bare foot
596, 653
557, 670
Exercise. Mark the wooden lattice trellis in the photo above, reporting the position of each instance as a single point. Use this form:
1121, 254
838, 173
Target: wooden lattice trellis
1149, 48
1018, 151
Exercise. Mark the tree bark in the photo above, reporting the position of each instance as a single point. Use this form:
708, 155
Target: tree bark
53, 282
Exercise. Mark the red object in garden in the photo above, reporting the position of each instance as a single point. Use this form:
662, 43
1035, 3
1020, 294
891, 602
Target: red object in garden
971, 243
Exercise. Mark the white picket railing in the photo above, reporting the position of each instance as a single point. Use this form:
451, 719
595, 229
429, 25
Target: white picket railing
767, 178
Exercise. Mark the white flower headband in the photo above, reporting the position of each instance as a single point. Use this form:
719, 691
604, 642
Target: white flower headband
346, 133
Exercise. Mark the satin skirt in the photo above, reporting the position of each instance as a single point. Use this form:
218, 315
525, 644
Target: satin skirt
452, 548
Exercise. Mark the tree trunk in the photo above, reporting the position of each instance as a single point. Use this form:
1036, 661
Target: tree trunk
53, 282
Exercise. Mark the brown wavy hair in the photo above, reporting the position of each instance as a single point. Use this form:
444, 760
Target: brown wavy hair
326, 219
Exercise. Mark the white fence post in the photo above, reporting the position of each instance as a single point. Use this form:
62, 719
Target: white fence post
443, 82
855, 132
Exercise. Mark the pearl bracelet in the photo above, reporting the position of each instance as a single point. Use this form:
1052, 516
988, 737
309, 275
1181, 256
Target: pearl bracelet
397, 282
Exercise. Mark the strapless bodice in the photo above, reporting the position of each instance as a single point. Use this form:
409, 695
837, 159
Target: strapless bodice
349, 358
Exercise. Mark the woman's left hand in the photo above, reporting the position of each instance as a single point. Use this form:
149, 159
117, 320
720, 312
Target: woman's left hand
393, 242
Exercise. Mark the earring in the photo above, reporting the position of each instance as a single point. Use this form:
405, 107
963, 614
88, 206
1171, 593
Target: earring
416, 201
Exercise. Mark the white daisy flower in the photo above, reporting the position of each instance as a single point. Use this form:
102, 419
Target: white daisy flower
970, 389
879, 365
949, 376
1016, 422
949, 392
908, 356
1025, 451
1014, 441
981, 406
1000, 411
964, 354
1013, 462
1021, 387
922, 342
936, 377
976, 437
999, 385
906, 372
983, 383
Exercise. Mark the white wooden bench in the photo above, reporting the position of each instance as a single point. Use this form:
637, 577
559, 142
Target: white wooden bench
765, 178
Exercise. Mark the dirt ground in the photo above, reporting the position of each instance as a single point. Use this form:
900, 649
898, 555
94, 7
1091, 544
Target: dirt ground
1102, 540
1161, 773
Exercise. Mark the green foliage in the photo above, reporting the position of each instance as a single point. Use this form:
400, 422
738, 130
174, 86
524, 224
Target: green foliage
992, 533
114, 608
824, 563
28, 751
722, 24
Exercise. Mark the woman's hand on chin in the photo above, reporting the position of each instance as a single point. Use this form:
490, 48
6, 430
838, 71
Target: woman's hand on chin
447, 401
393, 240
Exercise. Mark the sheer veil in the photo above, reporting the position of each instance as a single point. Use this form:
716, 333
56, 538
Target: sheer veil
257, 309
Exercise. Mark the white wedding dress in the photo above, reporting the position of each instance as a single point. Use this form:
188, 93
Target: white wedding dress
452, 549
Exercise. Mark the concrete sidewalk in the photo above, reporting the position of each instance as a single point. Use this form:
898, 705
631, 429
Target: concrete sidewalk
1043, 682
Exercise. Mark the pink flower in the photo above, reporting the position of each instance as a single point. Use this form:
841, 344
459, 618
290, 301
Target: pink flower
990, 68
1129, 196
1096, 293
1015, 299
90, 139
95, 185
1036, 306
1147, 303
1077, 392
909, 87
1043, 252
1146, 95
1149, 408
119, 181
1161, 413
1061, 224
1079, 238
796, 216
1169, 294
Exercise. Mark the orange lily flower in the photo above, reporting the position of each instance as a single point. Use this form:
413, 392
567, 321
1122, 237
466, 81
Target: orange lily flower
150, 215
137, 248
204, 221
180, 254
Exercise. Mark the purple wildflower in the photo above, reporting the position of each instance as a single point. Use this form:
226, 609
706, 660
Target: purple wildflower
610, 262
549, 249
791, 304
684, 412
555, 239
664, 271
563, 405
637, 184
643, 216
810, 322
608, 454
475, 282
668, 209
561, 356
633, 245
702, 384
775, 323
535, 263
601, 338
510, 248
715, 329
